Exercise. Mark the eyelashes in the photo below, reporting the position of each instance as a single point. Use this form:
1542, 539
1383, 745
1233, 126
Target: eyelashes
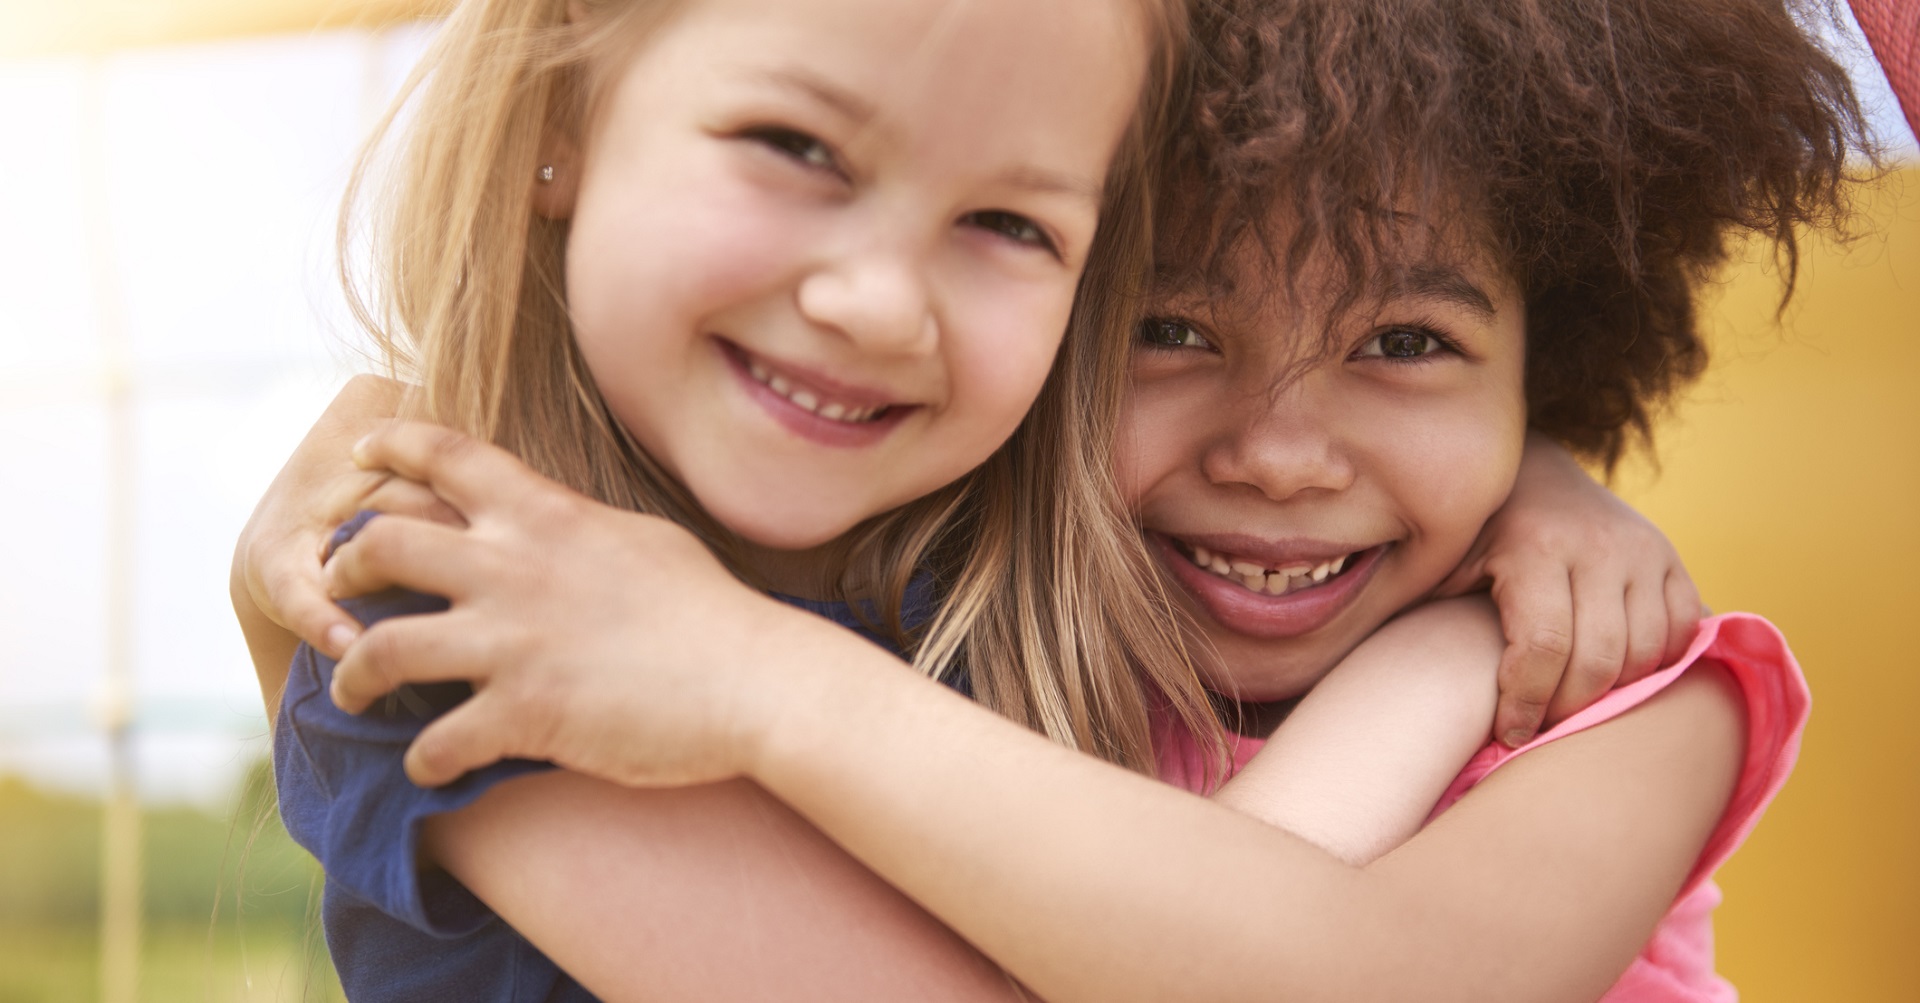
1400, 344
813, 154
1170, 334
1407, 344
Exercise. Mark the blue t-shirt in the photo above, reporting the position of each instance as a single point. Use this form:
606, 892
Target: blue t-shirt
399, 930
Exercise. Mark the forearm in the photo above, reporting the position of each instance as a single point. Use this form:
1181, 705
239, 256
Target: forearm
1088, 882
710, 893
1359, 764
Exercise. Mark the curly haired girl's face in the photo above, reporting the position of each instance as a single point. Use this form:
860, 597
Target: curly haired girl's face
1298, 500
822, 252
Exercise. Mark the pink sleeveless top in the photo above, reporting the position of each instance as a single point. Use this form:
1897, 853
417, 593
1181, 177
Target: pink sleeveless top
1676, 966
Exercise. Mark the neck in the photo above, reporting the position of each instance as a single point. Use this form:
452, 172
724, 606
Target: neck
804, 574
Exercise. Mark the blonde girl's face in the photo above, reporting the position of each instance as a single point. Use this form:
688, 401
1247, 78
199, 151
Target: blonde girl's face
822, 252
1296, 502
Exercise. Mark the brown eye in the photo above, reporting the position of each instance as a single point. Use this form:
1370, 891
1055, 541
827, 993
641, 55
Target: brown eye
1161, 332
1405, 344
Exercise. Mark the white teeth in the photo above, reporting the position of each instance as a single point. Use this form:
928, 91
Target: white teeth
808, 400
1276, 582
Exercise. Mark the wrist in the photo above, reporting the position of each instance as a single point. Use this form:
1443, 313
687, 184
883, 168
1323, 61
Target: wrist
821, 683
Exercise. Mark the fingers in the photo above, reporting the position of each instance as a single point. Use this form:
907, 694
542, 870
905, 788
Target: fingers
1684, 611
464, 739
468, 474
399, 496
403, 650
1536, 613
1647, 632
397, 551
297, 585
1599, 646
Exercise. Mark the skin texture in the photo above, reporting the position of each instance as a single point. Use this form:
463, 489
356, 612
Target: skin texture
771, 188
1232, 437
1082, 880
895, 771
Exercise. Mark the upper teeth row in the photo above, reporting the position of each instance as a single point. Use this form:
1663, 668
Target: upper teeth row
805, 399
1277, 581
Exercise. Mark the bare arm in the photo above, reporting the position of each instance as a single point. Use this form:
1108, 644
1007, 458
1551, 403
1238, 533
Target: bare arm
1083, 880
1359, 764
1093, 883
712, 893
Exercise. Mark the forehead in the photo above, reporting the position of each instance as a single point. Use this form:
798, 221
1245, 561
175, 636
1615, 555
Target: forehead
1330, 270
967, 76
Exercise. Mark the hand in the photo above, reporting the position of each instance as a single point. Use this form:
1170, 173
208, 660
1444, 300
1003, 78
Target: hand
608, 642
276, 563
1591, 594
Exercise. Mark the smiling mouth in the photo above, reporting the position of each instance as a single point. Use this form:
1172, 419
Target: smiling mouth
810, 398
1263, 578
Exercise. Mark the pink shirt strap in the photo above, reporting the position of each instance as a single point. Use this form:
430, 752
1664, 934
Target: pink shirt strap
1777, 704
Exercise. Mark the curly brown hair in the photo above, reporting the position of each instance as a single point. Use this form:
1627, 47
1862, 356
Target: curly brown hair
1607, 151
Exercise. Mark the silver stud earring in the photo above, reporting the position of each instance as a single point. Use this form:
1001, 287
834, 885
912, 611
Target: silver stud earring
545, 174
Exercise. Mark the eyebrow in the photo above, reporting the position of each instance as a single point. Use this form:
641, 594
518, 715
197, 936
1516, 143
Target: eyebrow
1439, 282
862, 113
841, 100
1045, 182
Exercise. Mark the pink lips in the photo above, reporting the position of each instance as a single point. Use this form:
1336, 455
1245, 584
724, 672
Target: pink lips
804, 423
1270, 617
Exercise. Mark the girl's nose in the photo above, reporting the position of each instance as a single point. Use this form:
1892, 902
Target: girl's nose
1279, 445
877, 299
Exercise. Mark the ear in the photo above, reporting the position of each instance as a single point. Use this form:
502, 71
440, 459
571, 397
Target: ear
554, 198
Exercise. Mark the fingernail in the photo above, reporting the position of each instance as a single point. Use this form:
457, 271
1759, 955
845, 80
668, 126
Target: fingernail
360, 449
1518, 737
339, 636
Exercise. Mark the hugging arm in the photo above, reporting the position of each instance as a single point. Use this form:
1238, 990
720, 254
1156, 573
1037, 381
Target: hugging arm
1358, 765
1083, 880
1591, 594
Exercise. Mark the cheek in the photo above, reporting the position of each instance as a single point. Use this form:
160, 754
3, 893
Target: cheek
636, 259
1453, 466
1153, 439
1000, 346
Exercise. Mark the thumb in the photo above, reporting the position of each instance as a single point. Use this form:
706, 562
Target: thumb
1469, 577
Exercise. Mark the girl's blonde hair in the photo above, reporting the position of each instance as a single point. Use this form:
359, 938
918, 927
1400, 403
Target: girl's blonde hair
1046, 597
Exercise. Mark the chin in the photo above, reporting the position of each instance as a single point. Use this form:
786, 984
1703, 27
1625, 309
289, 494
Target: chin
787, 530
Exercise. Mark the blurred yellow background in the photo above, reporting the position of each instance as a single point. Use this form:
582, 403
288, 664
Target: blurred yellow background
1791, 485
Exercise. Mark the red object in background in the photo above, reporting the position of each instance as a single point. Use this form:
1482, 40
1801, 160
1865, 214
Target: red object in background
1893, 28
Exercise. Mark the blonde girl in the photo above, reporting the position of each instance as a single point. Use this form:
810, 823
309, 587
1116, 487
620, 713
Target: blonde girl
793, 275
